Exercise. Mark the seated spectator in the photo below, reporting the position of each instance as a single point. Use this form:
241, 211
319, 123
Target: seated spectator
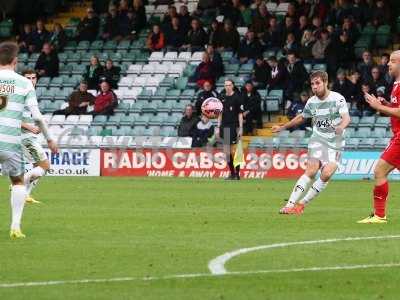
47, 63
78, 101
365, 66
384, 68
272, 38
216, 61
277, 75
305, 50
319, 47
127, 26
196, 37
229, 39
252, 108
201, 132
88, 28
106, 101
204, 71
316, 26
58, 38
25, 39
297, 75
39, 36
290, 44
260, 74
246, 13
231, 10
174, 35
296, 108
381, 12
185, 19
362, 105
376, 79
111, 28
249, 49
340, 53
342, 85
303, 26
93, 73
260, 20
139, 12
206, 93
351, 30
155, 40
289, 26
354, 89
111, 73
171, 13
188, 122
215, 33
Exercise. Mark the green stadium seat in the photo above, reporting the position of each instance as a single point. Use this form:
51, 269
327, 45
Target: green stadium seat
366, 143
167, 82
63, 94
246, 69
56, 82
308, 67
110, 45
367, 122
181, 83
138, 44
94, 130
99, 120
188, 94
173, 95
349, 132
354, 121
96, 45
71, 46
165, 107
123, 107
49, 94
267, 54
23, 57
43, 82
177, 107
319, 67
33, 58
378, 132
6, 27
65, 69
78, 69
363, 132
107, 131
150, 107
231, 69
127, 120
382, 142
226, 55
124, 45
129, 57
142, 120
156, 121
114, 120
116, 57
382, 122
368, 30
83, 45
189, 70
145, 95
352, 143
136, 107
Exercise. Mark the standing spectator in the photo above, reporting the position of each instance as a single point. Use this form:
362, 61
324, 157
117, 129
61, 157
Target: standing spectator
277, 76
207, 92
188, 122
139, 12
25, 39
196, 37
319, 47
252, 108
204, 71
93, 73
306, 44
249, 48
261, 20
297, 75
260, 74
230, 38
39, 36
216, 61
58, 38
88, 28
106, 101
111, 28
111, 73
155, 40
174, 35
78, 101
365, 66
201, 132
47, 63
342, 85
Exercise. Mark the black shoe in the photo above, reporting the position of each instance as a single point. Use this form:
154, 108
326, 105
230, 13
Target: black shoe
237, 177
231, 177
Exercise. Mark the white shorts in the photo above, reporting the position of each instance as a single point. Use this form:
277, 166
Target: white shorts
12, 163
33, 151
324, 153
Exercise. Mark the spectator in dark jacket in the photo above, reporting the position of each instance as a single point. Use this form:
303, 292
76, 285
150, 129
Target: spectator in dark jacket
229, 39
93, 73
111, 73
47, 63
196, 37
306, 44
340, 53
127, 25
174, 35
272, 38
39, 36
111, 28
296, 108
215, 33
25, 39
297, 75
88, 28
78, 101
261, 73
365, 66
260, 20
290, 44
206, 93
377, 80
201, 132
58, 38
249, 49
252, 108
384, 68
139, 12
277, 75
184, 18
342, 85
188, 122
216, 61
106, 101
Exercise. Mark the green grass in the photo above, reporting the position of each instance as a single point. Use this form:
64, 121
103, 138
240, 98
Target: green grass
89, 228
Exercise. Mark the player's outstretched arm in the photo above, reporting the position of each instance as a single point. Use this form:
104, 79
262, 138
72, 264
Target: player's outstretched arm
345, 122
376, 104
296, 121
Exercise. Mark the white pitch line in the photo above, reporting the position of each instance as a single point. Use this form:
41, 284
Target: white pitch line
195, 275
217, 265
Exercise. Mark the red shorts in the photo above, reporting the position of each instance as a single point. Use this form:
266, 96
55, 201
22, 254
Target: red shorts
392, 153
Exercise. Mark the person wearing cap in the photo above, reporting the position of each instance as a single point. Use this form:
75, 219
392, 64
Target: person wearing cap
106, 101
78, 101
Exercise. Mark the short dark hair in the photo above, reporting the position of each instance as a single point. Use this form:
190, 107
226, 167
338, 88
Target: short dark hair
28, 71
8, 52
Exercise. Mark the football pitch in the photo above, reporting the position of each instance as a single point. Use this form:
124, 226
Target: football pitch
161, 238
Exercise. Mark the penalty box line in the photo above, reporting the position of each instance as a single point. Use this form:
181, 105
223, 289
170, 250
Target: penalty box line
195, 275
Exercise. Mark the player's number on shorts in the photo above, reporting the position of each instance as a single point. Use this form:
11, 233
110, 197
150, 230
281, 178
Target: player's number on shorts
3, 102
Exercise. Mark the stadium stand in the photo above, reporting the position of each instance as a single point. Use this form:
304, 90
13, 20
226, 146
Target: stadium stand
154, 87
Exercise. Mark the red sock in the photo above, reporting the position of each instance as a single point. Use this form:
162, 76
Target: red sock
380, 195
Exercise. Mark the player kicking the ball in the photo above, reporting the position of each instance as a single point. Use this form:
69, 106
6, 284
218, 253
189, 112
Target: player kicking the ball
330, 117
31, 147
390, 158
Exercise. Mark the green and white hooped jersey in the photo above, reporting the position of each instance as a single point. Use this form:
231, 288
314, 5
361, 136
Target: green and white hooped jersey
16, 93
326, 116
27, 118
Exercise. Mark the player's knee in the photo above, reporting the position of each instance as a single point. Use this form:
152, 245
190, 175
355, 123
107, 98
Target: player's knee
379, 173
17, 180
45, 165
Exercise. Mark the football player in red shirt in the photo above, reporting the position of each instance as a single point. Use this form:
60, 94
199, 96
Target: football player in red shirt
390, 158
